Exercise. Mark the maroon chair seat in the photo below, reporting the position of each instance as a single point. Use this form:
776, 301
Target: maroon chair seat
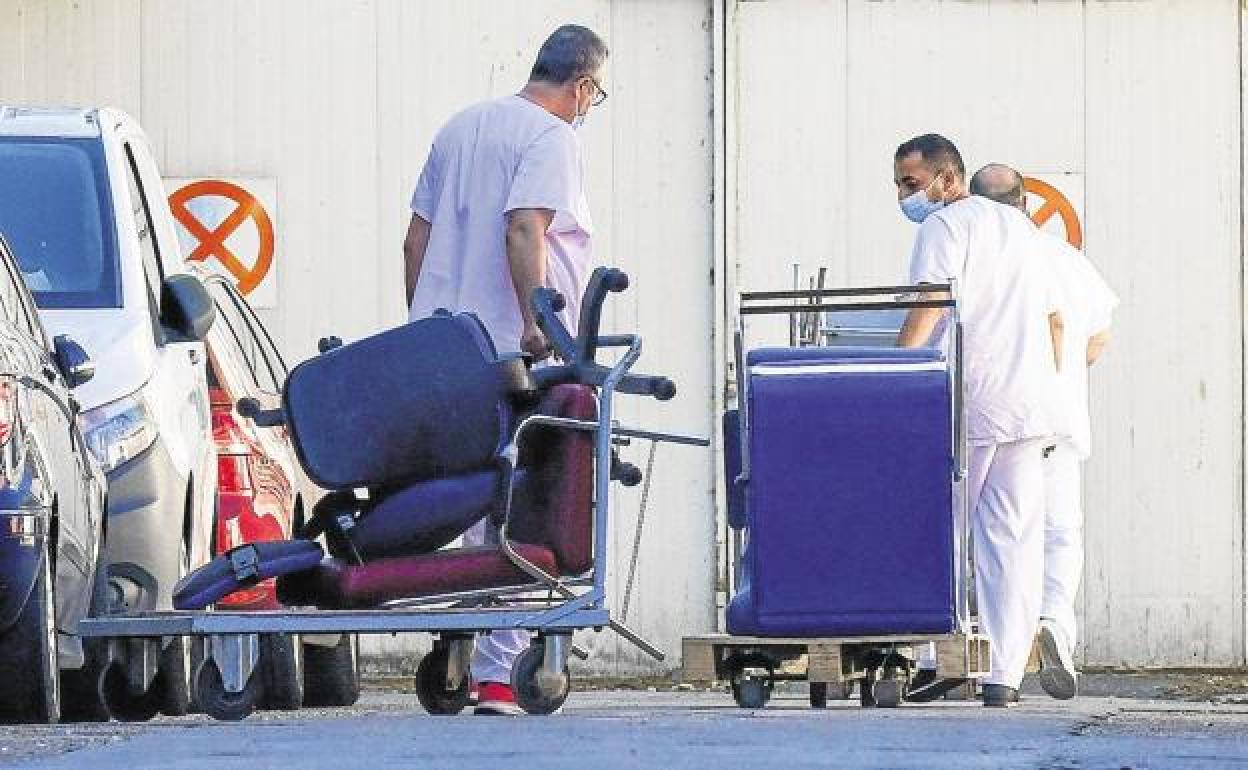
334, 585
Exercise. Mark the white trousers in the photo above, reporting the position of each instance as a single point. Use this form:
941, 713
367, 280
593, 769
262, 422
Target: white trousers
495, 652
1063, 537
1006, 488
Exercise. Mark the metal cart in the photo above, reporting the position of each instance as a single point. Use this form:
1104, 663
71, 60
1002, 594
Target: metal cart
225, 682
881, 665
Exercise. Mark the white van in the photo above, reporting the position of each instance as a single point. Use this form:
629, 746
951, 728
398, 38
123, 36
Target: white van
83, 205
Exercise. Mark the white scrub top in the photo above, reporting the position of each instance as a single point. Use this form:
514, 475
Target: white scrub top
1006, 293
490, 159
1087, 305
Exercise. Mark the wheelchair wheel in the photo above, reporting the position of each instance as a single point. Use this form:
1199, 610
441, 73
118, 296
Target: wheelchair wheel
819, 695
211, 696
889, 691
533, 695
431, 684
751, 692
123, 705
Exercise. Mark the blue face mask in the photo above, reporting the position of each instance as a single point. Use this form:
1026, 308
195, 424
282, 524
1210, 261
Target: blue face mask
918, 207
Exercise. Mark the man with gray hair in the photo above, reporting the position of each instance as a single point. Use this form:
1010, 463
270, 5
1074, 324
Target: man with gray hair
1086, 305
499, 211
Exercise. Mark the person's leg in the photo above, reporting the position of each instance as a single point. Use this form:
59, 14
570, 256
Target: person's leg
495, 652
1063, 567
979, 459
1009, 557
1063, 538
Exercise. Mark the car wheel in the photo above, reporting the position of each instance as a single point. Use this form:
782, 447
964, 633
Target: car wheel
172, 685
80, 695
332, 674
28, 662
282, 662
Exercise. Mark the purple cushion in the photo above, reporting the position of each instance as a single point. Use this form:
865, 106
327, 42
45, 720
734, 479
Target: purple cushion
220, 578
425, 516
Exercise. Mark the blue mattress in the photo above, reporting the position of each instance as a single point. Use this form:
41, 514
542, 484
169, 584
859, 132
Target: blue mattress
849, 504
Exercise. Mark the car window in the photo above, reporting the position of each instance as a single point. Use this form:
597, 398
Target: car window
248, 347
58, 219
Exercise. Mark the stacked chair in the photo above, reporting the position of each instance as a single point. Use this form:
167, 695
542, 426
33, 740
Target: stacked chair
421, 432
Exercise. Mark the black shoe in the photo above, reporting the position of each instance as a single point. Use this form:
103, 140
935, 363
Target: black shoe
927, 687
999, 696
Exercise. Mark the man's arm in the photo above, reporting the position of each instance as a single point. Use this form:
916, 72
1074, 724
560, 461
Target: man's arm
1057, 329
526, 255
920, 322
414, 246
1096, 345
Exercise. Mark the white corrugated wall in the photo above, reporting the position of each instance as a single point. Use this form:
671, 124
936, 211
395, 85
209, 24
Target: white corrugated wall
1133, 107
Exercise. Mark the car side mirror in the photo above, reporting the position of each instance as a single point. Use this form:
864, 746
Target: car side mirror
186, 307
76, 366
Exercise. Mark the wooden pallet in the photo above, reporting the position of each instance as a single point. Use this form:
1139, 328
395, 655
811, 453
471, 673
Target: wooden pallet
713, 657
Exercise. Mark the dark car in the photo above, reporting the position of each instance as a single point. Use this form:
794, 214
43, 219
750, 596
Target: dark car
52, 496
263, 494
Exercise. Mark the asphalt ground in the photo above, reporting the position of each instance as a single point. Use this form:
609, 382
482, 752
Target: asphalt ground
1177, 720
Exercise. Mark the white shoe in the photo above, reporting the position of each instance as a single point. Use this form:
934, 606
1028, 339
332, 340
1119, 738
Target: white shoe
1057, 668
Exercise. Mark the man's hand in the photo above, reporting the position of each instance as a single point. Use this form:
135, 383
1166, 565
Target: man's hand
533, 342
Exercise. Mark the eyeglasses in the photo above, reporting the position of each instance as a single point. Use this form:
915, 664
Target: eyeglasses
600, 93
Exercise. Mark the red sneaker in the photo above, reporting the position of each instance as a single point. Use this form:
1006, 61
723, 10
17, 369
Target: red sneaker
496, 699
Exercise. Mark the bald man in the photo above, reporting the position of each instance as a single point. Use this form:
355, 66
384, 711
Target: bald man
1087, 304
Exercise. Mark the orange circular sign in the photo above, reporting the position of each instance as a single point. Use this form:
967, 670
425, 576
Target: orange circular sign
1054, 202
212, 241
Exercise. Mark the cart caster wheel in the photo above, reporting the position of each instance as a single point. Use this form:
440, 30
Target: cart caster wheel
888, 693
431, 684
866, 689
751, 692
530, 693
122, 705
211, 696
818, 695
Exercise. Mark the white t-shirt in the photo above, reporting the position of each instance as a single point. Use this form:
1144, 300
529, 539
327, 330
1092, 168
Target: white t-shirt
490, 159
1087, 305
1006, 295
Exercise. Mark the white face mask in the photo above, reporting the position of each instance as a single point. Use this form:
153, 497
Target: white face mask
918, 207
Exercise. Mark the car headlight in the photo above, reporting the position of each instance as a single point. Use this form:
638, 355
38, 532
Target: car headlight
118, 432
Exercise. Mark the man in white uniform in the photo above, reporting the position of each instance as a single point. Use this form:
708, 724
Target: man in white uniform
499, 211
1011, 339
1087, 308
